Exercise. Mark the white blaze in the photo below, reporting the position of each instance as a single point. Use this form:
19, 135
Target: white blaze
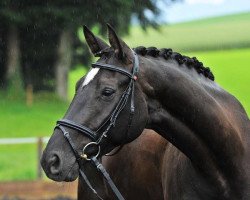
90, 76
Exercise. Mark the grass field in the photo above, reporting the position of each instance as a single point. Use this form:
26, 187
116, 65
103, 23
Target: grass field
19, 162
207, 34
22, 121
224, 32
231, 69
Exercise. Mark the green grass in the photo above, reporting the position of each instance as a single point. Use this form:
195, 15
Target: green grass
207, 34
75, 75
19, 120
18, 162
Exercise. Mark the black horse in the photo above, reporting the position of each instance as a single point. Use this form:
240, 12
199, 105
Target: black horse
167, 92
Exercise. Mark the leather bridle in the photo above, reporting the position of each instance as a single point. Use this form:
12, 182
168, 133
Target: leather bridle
96, 137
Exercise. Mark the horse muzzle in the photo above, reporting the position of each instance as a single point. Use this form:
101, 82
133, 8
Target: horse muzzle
57, 168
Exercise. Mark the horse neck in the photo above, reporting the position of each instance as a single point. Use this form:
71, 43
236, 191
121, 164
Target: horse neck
188, 110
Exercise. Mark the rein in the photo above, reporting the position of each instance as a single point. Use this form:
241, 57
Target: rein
95, 138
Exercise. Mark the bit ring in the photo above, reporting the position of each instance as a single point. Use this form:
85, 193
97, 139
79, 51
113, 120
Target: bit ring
85, 156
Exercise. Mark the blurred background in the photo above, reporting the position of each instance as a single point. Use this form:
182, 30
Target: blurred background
43, 53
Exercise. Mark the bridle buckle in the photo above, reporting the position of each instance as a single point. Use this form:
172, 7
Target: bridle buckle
84, 156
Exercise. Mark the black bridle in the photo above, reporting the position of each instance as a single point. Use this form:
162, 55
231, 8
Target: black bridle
96, 138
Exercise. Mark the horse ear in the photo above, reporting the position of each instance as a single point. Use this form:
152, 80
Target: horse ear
95, 43
122, 50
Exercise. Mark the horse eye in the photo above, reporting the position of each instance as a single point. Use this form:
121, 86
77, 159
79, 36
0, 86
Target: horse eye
107, 92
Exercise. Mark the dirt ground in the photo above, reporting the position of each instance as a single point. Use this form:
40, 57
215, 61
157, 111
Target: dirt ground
34, 190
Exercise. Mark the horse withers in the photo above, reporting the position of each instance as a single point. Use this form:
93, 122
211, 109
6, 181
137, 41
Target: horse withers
129, 90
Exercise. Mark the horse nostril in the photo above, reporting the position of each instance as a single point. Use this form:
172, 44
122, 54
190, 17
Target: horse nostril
54, 164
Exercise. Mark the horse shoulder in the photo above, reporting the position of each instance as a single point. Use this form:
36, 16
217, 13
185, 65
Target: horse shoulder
182, 180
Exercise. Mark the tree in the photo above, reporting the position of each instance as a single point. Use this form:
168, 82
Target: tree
10, 51
13, 61
63, 63
47, 28
3, 56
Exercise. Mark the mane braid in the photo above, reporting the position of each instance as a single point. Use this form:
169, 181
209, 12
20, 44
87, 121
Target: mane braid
168, 53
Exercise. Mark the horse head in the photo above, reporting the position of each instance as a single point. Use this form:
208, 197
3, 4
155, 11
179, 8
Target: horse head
108, 109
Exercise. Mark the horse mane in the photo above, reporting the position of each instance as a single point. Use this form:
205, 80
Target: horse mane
168, 53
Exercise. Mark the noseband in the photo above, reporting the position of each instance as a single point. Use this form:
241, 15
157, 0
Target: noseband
95, 137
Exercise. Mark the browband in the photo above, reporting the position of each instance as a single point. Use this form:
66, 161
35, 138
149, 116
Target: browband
120, 70
112, 68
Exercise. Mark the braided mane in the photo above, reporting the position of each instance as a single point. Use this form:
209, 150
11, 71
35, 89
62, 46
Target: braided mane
181, 59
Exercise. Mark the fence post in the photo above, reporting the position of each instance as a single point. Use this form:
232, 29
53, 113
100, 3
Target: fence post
29, 95
39, 151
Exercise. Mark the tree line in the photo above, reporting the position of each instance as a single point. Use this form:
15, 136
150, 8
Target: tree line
39, 40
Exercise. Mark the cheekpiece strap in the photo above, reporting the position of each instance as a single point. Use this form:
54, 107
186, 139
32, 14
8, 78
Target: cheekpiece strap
136, 65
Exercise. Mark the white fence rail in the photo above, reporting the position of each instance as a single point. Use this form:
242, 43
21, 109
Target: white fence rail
29, 140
